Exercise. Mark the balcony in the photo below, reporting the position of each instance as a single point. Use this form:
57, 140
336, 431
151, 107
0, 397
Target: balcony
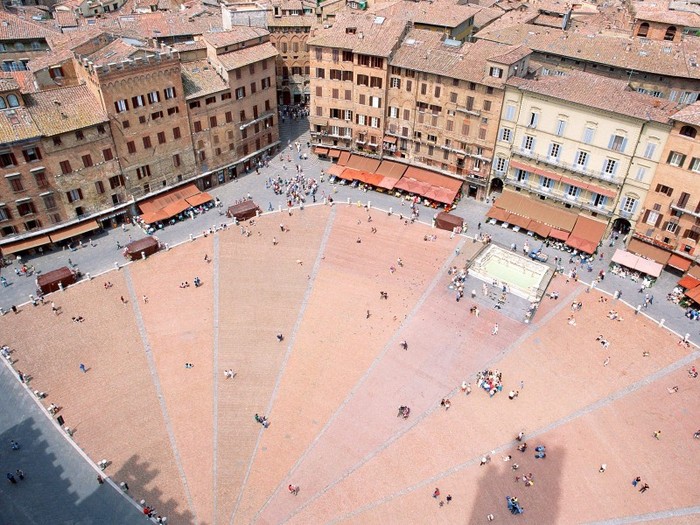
558, 163
693, 213
469, 111
558, 196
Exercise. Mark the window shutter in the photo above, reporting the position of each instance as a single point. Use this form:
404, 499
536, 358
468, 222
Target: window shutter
624, 145
611, 141
635, 206
534, 142
658, 220
614, 171
549, 151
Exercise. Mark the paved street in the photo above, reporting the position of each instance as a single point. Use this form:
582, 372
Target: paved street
102, 256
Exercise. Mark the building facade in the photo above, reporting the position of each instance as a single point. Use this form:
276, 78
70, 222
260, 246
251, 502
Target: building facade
670, 218
581, 143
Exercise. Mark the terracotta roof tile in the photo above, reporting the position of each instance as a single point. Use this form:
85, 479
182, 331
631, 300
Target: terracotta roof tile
65, 18
442, 13
664, 16
651, 56
14, 28
17, 124
236, 35
67, 109
245, 56
199, 78
689, 114
8, 83
369, 37
598, 92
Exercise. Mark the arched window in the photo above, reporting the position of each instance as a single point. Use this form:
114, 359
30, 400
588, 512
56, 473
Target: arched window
643, 29
3, 104
13, 101
670, 33
689, 131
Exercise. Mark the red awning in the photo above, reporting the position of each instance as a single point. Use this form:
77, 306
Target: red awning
535, 170
694, 294
540, 229
559, 234
586, 234
321, 151
518, 220
344, 158
497, 213
335, 169
176, 207
688, 282
678, 262
154, 216
200, 198
333, 153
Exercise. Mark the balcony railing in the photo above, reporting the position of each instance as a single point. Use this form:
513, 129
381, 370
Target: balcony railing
677, 208
575, 168
561, 197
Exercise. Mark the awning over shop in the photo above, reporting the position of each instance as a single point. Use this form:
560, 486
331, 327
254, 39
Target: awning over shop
176, 207
535, 170
649, 251
524, 206
161, 201
154, 216
586, 234
694, 294
333, 153
389, 139
199, 199
335, 170
694, 271
560, 235
74, 231
635, 262
26, 244
497, 213
344, 158
368, 164
602, 191
540, 229
518, 220
394, 170
679, 263
688, 282
429, 184
320, 151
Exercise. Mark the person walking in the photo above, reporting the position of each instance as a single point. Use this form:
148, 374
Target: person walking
636, 480
11, 478
83, 368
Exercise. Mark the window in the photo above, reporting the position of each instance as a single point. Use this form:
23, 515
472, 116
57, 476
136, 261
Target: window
676, 159
195, 104
453, 98
666, 190
253, 88
320, 72
528, 142
395, 82
534, 119
161, 137
641, 173
423, 88
16, 183
176, 160
87, 160
581, 159
598, 200
138, 101
335, 74
156, 115
374, 122
506, 135
521, 175
554, 150
56, 140
240, 93
65, 167
672, 227
610, 166
500, 165
131, 147
560, 127
146, 142
169, 93
649, 150
49, 201
409, 85
116, 181
101, 129
694, 165
121, 105
126, 124
227, 96
628, 204
572, 191
588, 134
176, 133
99, 187
212, 121
361, 120
683, 199
74, 195
7, 160
153, 97
495, 72
437, 91
432, 138
40, 179
546, 183
688, 131
143, 171
510, 112
79, 135
31, 154
617, 143
26, 208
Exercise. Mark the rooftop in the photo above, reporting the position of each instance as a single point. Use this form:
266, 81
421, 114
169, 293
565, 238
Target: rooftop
598, 92
641, 55
61, 110
441, 13
17, 124
666, 16
14, 28
689, 114
199, 78
424, 50
248, 55
236, 35
361, 33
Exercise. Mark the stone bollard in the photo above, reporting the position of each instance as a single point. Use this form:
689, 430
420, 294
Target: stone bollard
116, 265
279, 208
325, 201
143, 255
60, 286
191, 237
31, 298
432, 223
2, 312
301, 206
348, 200
167, 247
391, 210
88, 276
369, 205
257, 213
662, 322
